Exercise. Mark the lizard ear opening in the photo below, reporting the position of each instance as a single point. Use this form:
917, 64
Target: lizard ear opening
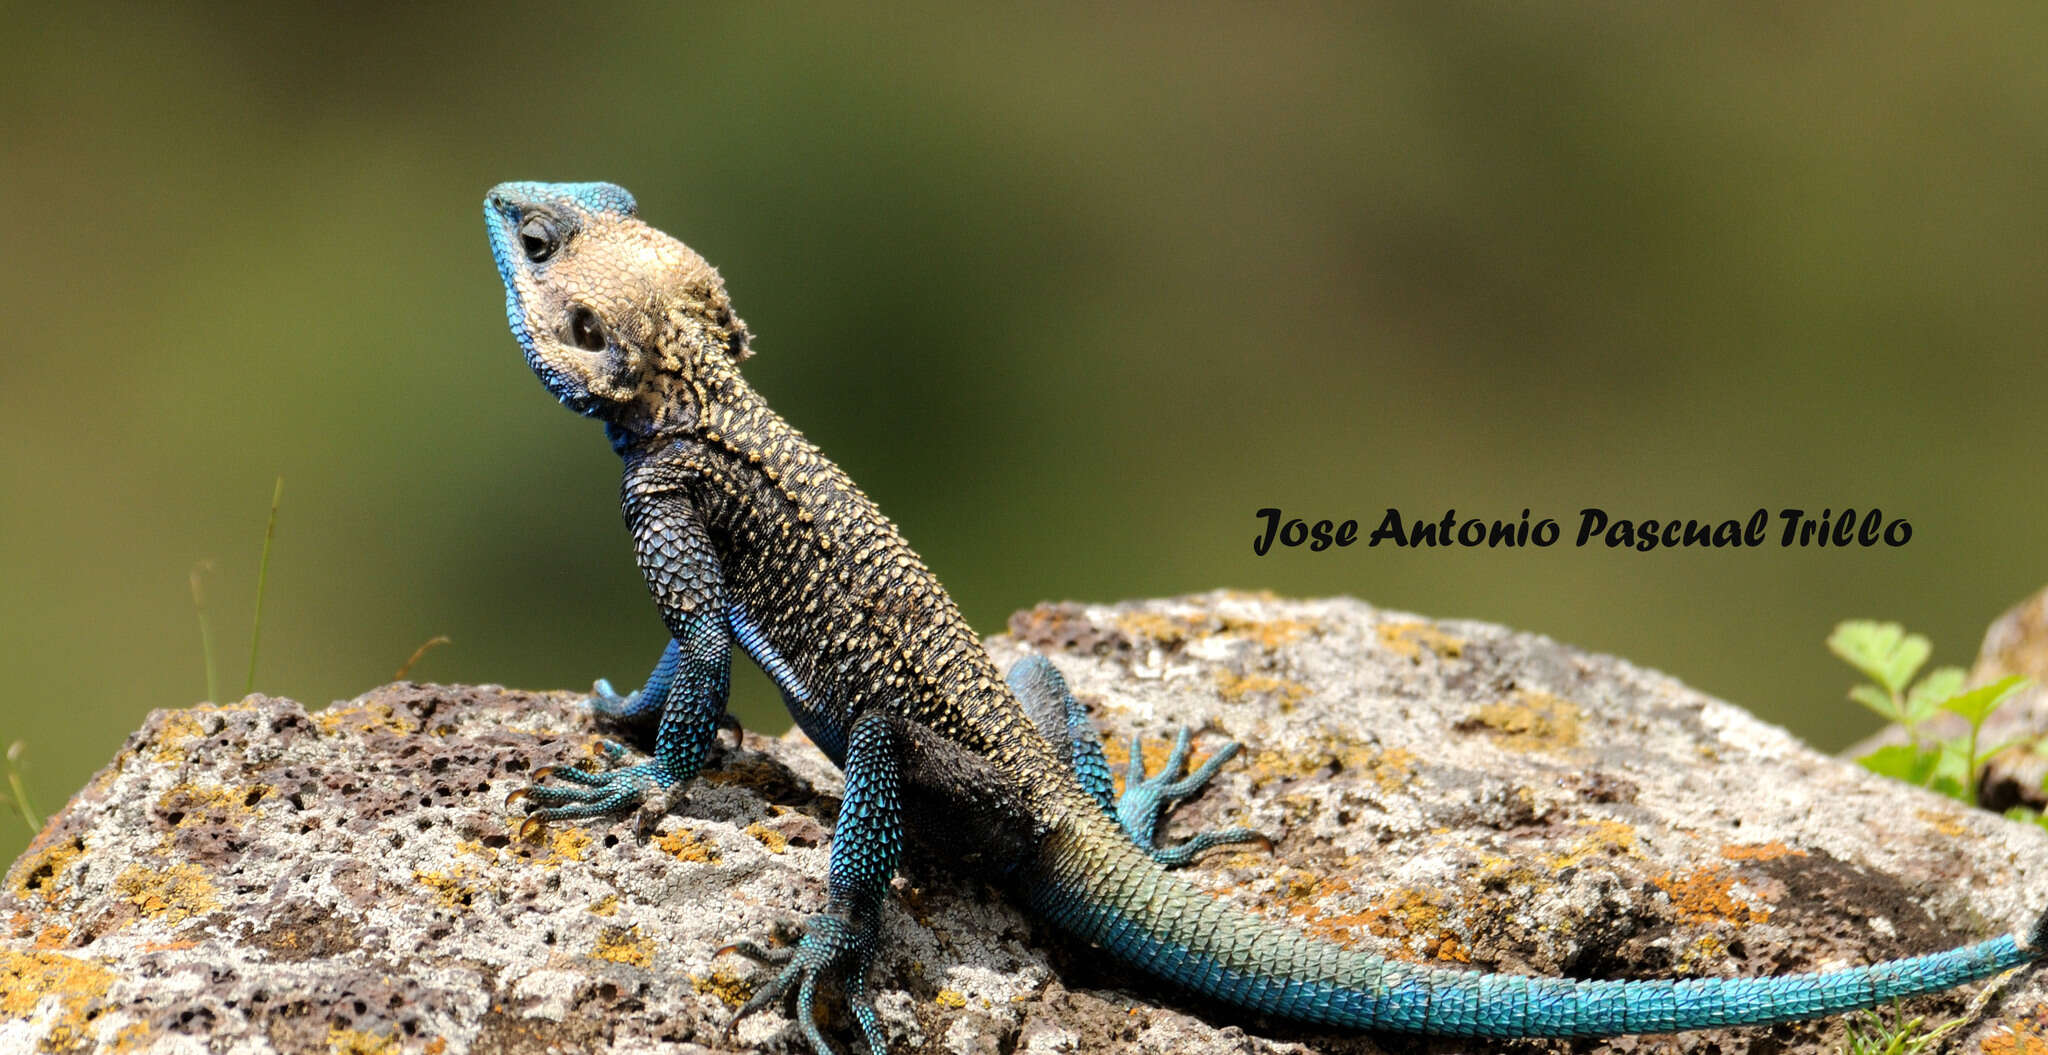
738, 339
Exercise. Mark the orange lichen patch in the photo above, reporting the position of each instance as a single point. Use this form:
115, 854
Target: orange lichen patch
1945, 823
1284, 693
1408, 640
775, 841
54, 936
624, 946
357, 1042
1770, 851
1706, 895
1529, 721
36, 873
172, 894
684, 845
730, 989
2018, 1038
606, 906
1405, 914
375, 716
456, 888
476, 848
27, 979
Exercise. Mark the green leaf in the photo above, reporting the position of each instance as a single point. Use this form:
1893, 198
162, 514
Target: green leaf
1954, 776
1883, 651
1880, 701
1978, 703
1928, 694
1901, 762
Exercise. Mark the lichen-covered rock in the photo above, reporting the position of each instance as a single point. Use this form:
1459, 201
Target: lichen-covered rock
255, 878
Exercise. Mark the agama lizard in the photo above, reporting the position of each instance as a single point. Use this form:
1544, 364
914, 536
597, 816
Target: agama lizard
746, 533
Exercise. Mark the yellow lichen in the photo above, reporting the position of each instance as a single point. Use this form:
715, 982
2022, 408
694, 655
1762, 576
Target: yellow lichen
1770, 851
1408, 640
1284, 693
456, 888
135, 1036
606, 906
27, 979
1171, 631
1945, 823
775, 841
950, 998
684, 845
356, 1042
1601, 838
566, 844
36, 873
1530, 721
172, 894
624, 946
178, 729
730, 989
364, 718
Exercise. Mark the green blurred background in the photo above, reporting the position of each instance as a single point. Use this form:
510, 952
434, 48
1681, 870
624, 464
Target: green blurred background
1070, 291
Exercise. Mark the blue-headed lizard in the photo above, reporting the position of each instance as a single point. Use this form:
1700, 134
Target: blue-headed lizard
747, 534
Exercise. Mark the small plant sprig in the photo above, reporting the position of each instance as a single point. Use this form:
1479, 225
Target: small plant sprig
1894, 1032
1890, 656
17, 786
206, 567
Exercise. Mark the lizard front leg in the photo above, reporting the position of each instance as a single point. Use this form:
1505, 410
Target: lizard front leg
866, 842
639, 711
686, 694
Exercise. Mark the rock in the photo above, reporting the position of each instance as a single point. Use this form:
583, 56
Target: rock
253, 878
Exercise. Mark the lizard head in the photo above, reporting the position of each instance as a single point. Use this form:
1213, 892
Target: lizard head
616, 318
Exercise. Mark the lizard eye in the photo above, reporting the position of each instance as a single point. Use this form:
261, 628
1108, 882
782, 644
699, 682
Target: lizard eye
585, 331
539, 238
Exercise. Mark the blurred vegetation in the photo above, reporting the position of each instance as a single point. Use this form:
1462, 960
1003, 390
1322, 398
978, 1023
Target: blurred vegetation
1070, 291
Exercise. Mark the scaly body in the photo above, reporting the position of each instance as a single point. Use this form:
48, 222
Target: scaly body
747, 534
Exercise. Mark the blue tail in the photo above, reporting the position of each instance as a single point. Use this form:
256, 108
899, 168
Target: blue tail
1095, 885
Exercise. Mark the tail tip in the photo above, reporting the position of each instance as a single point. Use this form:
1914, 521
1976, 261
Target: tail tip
2035, 938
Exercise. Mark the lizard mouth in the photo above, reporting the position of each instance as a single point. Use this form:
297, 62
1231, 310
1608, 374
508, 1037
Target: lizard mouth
502, 214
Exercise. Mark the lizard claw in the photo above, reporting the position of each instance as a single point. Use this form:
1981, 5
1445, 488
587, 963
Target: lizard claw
1146, 801
831, 944
591, 793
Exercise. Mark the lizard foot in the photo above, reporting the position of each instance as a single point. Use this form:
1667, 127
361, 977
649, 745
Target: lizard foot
831, 944
594, 794
607, 703
1146, 801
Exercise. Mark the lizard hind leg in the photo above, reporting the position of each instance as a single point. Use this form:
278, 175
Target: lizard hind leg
1063, 720
843, 939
